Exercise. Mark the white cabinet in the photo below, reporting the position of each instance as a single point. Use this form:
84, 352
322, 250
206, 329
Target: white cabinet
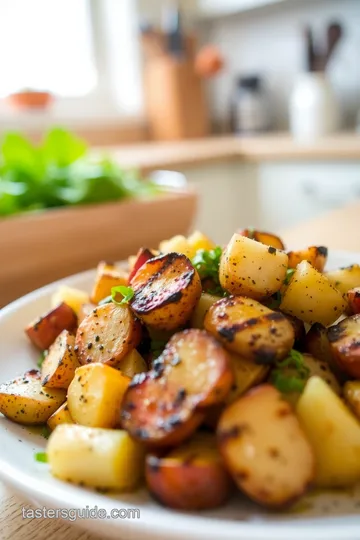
290, 192
217, 8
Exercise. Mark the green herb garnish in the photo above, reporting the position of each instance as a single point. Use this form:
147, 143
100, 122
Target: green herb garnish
274, 301
41, 457
45, 432
289, 275
105, 300
41, 359
127, 293
290, 374
207, 263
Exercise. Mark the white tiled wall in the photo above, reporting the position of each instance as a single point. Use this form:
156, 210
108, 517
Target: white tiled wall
269, 41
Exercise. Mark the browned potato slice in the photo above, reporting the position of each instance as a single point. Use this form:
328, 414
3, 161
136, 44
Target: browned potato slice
108, 276
59, 365
317, 344
201, 309
85, 311
315, 255
167, 289
250, 329
25, 401
61, 416
344, 340
269, 239
346, 278
158, 413
311, 297
107, 335
95, 395
352, 396
252, 269
43, 331
299, 329
246, 375
193, 371
190, 477
265, 449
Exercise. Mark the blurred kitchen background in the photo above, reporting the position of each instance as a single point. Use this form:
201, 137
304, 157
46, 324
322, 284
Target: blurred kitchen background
255, 102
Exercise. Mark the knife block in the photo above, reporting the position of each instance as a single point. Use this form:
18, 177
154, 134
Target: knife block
175, 99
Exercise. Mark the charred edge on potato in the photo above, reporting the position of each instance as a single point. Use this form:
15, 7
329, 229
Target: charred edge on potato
141, 300
322, 250
229, 332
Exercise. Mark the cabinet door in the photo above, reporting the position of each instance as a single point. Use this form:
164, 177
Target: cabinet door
293, 192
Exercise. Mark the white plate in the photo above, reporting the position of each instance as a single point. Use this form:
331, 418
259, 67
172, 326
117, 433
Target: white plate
329, 516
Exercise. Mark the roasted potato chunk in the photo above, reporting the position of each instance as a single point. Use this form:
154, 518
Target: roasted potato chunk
334, 434
44, 330
167, 289
246, 375
265, 448
197, 240
190, 477
74, 298
252, 269
25, 401
132, 364
95, 395
315, 255
250, 329
193, 372
107, 335
299, 329
107, 277
95, 457
317, 344
61, 416
201, 309
141, 257
176, 244
346, 278
353, 297
352, 396
344, 340
311, 297
269, 239
60, 363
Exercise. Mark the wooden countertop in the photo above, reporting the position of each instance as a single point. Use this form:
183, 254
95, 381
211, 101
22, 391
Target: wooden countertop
270, 147
337, 230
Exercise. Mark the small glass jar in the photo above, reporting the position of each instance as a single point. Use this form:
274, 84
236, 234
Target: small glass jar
249, 106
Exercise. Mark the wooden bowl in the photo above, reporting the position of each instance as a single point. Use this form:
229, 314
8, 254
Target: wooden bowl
43, 247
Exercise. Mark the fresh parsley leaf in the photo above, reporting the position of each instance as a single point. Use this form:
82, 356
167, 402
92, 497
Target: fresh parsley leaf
207, 263
41, 359
289, 275
41, 457
127, 293
290, 374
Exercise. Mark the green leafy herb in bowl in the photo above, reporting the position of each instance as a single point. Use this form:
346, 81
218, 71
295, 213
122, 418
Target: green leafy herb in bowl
60, 172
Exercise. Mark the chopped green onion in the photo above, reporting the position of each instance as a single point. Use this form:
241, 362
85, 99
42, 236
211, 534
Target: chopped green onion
41, 457
105, 300
290, 382
126, 292
207, 263
289, 275
45, 432
41, 359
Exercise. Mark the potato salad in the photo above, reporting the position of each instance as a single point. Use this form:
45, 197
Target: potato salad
198, 370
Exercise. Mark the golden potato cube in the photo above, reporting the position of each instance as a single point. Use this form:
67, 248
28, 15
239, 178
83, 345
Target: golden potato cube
251, 268
197, 240
94, 457
132, 364
74, 298
61, 416
201, 309
95, 395
311, 297
176, 244
107, 277
345, 279
334, 434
